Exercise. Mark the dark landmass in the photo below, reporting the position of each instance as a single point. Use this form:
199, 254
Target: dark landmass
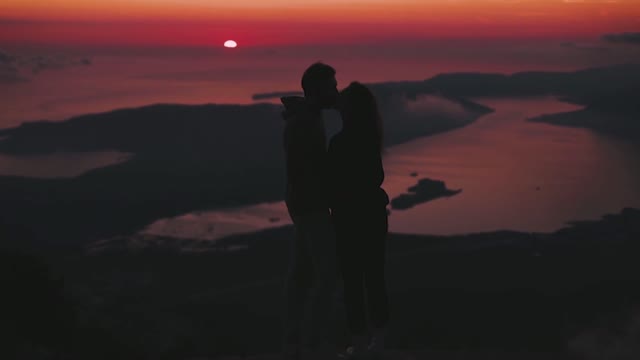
276, 95
617, 114
501, 295
186, 158
622, 125
425, 191
594, 82
623, 38
610, 94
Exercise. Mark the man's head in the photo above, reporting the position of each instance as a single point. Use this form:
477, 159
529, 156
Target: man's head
320, 85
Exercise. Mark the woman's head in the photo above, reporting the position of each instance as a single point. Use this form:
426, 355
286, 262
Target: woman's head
360, 113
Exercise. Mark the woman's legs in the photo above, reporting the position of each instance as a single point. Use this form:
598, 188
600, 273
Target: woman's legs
361, 246
374, 276
352, 270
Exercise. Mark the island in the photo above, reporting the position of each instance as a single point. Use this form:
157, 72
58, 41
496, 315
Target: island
426, 190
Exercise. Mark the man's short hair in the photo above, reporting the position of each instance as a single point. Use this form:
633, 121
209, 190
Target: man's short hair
315, 74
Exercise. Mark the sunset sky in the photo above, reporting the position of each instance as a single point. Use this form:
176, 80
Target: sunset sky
270, 22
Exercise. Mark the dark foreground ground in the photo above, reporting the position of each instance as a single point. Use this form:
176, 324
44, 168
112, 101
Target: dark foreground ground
484, 296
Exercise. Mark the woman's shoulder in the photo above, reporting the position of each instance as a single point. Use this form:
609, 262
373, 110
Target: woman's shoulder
353, 144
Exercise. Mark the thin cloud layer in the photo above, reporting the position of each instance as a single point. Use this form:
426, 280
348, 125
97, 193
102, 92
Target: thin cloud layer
14, 67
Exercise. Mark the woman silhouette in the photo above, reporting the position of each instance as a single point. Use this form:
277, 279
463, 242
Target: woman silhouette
358, 207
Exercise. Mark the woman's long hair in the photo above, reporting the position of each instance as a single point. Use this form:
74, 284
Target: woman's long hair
361, 114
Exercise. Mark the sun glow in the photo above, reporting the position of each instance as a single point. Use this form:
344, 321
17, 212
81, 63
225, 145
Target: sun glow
230, 44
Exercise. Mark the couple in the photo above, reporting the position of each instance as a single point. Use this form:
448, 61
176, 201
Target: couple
338, 208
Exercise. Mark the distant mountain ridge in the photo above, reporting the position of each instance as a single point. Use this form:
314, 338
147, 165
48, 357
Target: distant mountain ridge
598, 81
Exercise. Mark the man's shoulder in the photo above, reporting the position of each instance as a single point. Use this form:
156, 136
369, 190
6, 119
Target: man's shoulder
305, 122
294, 106
293, 101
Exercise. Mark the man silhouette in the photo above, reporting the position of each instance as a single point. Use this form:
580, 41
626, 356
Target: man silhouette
312, 273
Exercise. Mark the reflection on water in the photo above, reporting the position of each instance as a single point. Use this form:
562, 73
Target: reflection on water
436, 106
213, 225
515, 175
58, 165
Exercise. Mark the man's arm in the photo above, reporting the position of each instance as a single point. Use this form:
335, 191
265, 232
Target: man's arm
306, 156
294, 150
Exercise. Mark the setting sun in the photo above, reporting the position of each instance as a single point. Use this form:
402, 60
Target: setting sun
230, 44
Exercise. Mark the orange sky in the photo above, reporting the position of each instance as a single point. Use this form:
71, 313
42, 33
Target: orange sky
265, 22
